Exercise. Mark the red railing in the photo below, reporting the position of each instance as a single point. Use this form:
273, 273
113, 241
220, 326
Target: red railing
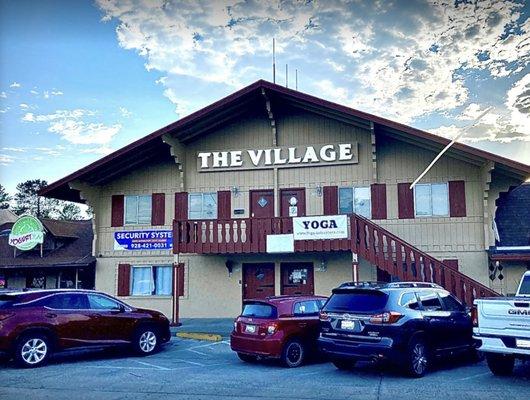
401, 259
369, 240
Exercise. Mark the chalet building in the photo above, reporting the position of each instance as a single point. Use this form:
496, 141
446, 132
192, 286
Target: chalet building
63, 261
272, 191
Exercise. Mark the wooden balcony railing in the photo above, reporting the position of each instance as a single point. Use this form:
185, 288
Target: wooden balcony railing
369, 240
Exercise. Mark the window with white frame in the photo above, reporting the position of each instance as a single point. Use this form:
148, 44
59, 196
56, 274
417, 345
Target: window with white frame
148, 280
355, 200
138, 210
431, 200
202, 206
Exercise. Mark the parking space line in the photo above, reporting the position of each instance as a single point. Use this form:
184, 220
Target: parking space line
197, 352
474, 376
209, 344
190, 362
152, 365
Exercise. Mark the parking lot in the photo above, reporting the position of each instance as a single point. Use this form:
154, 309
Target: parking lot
189, 369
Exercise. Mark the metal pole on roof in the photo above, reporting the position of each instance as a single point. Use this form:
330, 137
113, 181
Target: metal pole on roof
286, 75
487, 110
296, 79
273, 60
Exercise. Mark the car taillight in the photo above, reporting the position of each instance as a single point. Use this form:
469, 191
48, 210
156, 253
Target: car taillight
272, 328
386, 318
323, 316
235, 325
474, 316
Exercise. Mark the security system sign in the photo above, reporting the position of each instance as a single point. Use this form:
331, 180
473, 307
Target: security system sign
322, 227
143, 240
26, 233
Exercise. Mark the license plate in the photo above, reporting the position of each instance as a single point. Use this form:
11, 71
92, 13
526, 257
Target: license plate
524, 343
348, 325
250, 328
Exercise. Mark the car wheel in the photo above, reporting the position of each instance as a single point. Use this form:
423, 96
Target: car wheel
247, 358
146, 340
417, 358
343, 364
32, 350
500, 364
293, 354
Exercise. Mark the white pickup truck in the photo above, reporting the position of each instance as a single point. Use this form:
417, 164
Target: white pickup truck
501, 326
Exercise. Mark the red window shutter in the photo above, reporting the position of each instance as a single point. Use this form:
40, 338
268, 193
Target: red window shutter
158, 209
452, 263
224, 206
181, 206
405, 201
117, 210
378, 193
178, 272
331, 200
457, 198
124, 279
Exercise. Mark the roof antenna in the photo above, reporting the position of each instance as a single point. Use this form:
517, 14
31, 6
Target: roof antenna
475, 123
286, 76
296, 79
273, 61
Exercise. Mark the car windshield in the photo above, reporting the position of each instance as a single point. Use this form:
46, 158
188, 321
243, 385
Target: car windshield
524, 290
259, 310
357, 301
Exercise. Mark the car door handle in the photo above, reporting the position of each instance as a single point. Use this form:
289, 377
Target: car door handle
302, 324
50, 315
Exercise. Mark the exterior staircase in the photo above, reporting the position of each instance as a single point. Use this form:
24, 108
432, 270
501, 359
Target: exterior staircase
407, 263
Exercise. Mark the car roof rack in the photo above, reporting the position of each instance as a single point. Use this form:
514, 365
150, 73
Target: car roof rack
362, 284
413, 285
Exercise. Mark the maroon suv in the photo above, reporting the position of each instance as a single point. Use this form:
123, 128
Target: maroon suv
282, 327
34, 324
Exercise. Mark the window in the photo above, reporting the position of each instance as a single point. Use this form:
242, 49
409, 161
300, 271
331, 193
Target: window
410, 300
137, 210
151, 280
259, 310
356, 301
450, 303
431, 200
355, 200
202, 206
430, 301
67, 302
98, 302
310, 307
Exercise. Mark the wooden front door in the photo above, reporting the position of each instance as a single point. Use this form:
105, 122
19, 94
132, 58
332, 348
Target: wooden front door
258, 280
297, 278
262, 203
292, 202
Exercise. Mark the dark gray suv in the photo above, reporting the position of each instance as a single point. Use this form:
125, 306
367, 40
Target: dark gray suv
406, 323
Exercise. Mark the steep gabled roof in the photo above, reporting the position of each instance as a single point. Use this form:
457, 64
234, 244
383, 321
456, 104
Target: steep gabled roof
189, 128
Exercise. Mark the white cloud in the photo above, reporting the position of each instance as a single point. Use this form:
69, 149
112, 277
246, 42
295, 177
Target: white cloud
24, 106
71, 127
102, 150
34, 92
15, 85
182, 106
125, 113
56, 93
14, 149
5, 159
3, 95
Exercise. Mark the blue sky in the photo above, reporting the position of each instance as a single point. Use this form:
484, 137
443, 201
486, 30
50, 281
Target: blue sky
79, 79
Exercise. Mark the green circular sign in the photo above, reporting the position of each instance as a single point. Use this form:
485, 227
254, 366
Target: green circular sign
26, 233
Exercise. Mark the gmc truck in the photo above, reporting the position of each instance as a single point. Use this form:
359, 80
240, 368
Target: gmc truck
501, 327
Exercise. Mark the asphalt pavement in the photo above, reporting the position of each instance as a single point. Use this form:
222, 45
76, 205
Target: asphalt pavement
189, 369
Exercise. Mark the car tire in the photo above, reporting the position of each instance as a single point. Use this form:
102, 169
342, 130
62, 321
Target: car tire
293, 354
32, 350
146, 340
418, 358
500, 364
343, 364
247, 358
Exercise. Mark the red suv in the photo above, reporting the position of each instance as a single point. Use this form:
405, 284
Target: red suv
36, 323
282, 327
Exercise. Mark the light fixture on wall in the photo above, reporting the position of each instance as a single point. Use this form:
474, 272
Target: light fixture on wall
323, 266
235, 191
318, 190
229, 266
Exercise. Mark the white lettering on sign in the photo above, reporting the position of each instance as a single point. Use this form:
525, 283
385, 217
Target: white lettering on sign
321, 227
281, 157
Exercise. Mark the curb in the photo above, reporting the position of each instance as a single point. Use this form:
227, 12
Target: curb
212, 337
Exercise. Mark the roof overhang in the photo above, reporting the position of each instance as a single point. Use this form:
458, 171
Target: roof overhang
248, 100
